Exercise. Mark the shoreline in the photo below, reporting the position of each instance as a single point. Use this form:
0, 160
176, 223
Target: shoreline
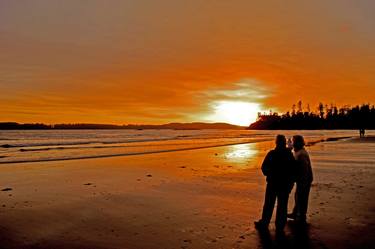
310, 143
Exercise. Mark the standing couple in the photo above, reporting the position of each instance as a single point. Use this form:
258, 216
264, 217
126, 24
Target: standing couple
282, 169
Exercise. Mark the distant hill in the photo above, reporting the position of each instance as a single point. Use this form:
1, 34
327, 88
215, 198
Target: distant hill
173, 126
198, 126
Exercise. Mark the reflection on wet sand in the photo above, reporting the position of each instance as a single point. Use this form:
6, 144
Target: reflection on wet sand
295, 236
244, 156
242, 153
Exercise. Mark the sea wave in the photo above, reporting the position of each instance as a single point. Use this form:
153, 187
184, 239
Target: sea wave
101, 154
36, 146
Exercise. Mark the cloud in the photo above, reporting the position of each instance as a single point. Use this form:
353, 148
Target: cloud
246, 90
243, 93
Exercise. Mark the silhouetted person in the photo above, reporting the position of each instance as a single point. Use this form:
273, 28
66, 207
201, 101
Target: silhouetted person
304, 179
279, 168
361, 132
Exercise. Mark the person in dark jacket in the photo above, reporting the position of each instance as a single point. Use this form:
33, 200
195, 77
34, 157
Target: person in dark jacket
279, 169
303, 180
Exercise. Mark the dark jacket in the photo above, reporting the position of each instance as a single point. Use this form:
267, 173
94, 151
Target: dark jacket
279, 166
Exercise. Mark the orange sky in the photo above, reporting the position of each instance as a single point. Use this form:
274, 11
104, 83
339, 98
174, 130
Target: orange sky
161, 61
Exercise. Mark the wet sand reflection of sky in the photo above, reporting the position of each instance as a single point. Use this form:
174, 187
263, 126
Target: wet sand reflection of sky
242, 153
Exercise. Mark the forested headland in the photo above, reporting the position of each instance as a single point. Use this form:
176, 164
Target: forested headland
323, 117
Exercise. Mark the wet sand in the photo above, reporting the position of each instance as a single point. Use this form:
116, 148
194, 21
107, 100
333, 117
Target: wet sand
205, 198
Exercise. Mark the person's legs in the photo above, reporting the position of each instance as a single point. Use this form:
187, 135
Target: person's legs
293, 215
269, 203
282, 209
303, 201
296, 206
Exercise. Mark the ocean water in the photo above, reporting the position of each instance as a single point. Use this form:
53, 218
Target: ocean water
46, 145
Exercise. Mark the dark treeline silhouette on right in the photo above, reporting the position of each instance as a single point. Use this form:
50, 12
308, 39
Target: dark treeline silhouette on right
325, 117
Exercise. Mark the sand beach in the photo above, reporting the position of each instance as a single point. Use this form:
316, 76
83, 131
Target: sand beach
203, 198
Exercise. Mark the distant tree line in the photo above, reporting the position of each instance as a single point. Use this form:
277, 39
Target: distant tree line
40, 126
17, 126
324, 117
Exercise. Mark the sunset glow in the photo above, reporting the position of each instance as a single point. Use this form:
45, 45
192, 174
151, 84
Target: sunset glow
238, 113
156, 62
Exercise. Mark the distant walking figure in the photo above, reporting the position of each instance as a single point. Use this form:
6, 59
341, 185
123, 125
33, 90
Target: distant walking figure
304, 179
279, 168
361, 132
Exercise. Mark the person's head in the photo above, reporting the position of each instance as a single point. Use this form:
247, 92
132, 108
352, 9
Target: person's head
298, 142
280, 141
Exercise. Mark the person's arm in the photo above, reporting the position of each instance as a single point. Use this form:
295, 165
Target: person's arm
266, 165
309, 168
306, 171
293, 168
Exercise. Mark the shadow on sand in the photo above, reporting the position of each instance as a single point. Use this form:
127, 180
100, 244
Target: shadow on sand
295, 236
